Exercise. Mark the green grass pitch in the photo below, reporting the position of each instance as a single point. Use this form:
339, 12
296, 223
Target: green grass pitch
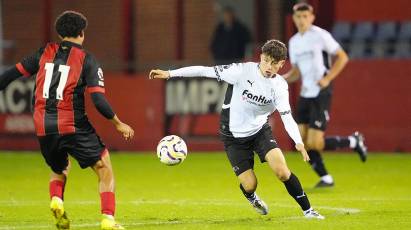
203, 193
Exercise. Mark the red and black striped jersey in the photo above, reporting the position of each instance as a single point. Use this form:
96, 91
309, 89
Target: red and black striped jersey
63, 71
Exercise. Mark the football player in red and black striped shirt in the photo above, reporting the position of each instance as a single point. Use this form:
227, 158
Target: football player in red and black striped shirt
63, 73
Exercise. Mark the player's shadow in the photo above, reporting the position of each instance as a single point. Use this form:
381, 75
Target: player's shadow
181, 221
312, 190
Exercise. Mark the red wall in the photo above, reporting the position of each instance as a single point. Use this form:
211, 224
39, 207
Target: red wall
137, 102
366, 10
371, 96
374, 97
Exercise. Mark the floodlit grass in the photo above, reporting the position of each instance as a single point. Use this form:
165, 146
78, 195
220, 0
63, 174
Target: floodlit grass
203, 193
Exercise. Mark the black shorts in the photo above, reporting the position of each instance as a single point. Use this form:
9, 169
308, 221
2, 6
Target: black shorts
240, 151
315, 111
86, 148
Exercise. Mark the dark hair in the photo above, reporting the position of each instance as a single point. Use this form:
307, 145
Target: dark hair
70, 24
303, 7
275, 49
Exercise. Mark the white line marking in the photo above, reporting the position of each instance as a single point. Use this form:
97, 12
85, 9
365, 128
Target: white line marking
208, 202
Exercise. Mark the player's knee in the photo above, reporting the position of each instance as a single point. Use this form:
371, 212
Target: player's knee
314, 145
282, 173
250, 186
309, 144
104, 171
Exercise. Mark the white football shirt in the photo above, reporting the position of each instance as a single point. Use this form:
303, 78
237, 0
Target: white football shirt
311, 52
250, 97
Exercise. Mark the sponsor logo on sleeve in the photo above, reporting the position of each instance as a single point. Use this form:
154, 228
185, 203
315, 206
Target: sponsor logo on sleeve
100, 77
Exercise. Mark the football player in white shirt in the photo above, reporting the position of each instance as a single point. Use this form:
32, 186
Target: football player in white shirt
254, 92
310, 51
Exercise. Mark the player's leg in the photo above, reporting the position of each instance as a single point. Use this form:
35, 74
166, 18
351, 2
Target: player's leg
355, 141
306, 113
57, 159
303, 128
248, 185
241, 157
267, 149
315, 144
277, 163
303, 116
56, 187
104, 172
89, 151
315, 136
316, 140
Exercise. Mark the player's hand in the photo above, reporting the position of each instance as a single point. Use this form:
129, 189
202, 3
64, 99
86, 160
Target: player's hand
300, 147
324, 82
160, 74
125, 130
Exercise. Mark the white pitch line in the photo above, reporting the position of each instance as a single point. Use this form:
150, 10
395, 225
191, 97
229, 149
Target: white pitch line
181, 203
44, 226
13, 202
129, 224
232, 203
344, 210
339, 210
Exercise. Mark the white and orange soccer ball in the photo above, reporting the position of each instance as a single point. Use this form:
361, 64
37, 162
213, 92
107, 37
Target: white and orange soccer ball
172, 150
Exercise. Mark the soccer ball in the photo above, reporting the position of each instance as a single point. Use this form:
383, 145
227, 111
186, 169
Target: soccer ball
171, 150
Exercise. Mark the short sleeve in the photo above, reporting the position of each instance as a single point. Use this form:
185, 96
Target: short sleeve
291, 54
30, 64
282, 102
93, 75
229, 73
330, 44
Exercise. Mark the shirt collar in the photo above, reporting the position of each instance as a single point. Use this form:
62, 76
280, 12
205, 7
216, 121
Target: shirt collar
68, 43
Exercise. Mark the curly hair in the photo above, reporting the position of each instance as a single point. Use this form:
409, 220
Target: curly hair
70, 24
275, 49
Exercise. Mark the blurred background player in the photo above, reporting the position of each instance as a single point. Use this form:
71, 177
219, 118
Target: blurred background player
255, 91
310, 50
230, 39
64, 71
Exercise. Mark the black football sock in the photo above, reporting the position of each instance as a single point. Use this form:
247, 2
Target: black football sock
316, 162
337, 142
296, 191
247, 195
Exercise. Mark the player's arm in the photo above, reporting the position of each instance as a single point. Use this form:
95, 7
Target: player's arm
190, 71
95, 86
283, 106
27, 67
341, 59
228, 73
292, 75
104, 108
331, 46
8, 76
